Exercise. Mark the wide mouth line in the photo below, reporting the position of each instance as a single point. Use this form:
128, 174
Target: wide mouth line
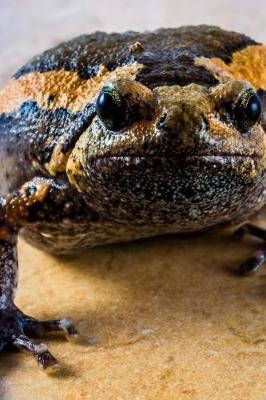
175, 156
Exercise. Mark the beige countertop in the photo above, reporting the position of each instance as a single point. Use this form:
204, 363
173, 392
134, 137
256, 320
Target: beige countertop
171, 318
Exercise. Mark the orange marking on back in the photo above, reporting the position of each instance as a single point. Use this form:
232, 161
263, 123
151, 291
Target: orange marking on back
67, 89
248, 64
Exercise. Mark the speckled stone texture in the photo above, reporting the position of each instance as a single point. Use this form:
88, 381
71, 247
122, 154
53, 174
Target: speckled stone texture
170, 317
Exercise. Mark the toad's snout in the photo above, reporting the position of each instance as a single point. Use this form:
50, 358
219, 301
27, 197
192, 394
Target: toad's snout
181, 120
184, 113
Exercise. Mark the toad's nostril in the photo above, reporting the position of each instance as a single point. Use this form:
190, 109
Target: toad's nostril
204, 122
161, 122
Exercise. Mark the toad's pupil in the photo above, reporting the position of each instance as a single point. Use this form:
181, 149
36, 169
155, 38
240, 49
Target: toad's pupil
111, 109
107, 107
248, 110
254, 108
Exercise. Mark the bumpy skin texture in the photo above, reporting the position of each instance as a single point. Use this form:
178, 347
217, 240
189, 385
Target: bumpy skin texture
182, 161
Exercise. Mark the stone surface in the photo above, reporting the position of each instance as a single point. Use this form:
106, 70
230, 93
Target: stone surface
170, 317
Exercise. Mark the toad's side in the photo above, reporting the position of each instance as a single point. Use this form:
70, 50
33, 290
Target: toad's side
112, 137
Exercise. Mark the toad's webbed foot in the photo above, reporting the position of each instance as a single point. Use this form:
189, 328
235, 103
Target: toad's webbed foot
16, 328
254, 263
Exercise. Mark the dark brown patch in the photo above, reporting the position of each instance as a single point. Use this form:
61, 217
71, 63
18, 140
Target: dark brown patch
86, 53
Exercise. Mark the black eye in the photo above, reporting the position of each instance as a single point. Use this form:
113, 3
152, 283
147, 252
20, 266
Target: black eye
111, 108
247, 110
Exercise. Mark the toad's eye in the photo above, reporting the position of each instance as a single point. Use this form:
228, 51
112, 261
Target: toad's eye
247, 110
111, 109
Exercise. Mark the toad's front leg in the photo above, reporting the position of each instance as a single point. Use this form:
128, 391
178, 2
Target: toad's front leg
34, 201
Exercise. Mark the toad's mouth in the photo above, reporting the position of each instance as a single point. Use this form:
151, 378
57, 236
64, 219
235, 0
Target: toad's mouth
248, 165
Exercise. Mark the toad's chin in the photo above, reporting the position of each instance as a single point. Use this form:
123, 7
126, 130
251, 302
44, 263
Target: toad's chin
208, 179
173, 193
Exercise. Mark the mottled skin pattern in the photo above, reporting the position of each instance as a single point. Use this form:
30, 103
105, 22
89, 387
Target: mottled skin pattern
177, 152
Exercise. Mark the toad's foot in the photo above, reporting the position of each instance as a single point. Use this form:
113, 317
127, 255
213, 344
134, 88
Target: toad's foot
15, 329
254, 263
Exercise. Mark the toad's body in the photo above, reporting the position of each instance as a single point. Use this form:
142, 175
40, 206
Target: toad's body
112, 137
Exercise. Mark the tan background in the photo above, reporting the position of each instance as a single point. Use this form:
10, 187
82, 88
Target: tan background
171, 318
